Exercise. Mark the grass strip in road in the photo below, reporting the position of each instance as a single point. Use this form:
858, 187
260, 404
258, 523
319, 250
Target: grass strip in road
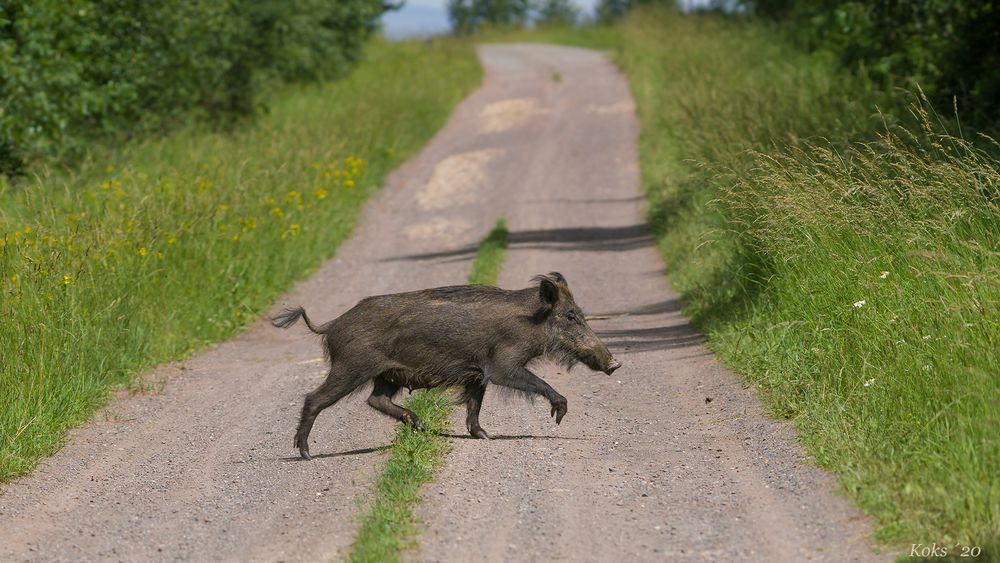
151, 251
389, 527
490, 256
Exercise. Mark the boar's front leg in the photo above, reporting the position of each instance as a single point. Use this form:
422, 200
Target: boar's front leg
381, 400
522, 379
473, 402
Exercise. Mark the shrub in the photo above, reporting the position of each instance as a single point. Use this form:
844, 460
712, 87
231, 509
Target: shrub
72, 71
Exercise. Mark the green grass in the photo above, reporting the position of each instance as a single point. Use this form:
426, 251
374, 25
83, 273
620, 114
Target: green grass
780, 195
148, 253
601, 37
489, 257
389, 527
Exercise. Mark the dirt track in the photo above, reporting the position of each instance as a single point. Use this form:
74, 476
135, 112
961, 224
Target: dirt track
642, 468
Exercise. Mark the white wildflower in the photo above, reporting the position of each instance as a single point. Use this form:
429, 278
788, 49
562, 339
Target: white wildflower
870, 382
859, 304
884, 275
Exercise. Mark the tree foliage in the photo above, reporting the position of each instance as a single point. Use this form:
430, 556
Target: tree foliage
75, 70
611, 10
467, 16
557, 12
951, 48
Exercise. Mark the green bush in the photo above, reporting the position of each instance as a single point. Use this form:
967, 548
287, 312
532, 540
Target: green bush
951, 48
72, 71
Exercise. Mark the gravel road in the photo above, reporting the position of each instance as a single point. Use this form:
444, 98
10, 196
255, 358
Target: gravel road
668, 459
642, 468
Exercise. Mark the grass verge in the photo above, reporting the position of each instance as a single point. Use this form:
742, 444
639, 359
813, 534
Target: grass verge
388, 528
845, 260
148, 253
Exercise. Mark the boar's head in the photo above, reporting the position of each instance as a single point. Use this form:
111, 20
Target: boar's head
569, 339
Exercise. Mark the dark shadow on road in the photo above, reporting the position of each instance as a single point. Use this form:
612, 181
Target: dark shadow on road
585, 239
361, 451
517, 437
564, 200
632, 340
662, 307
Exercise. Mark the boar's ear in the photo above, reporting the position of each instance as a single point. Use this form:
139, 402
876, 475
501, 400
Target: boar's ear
548, 291
559, 278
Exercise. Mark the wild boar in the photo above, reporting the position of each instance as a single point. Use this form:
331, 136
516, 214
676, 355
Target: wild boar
463, 336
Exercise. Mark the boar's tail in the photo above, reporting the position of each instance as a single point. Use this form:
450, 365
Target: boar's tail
288, 317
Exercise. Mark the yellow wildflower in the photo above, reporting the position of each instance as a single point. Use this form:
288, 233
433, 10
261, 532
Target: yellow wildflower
348, 183
67, 280
143, 251
277, 212
320, 193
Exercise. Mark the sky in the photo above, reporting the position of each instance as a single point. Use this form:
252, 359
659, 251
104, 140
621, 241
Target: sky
427, 17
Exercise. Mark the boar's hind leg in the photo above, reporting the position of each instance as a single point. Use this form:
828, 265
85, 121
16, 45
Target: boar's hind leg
331, 391
381, 400
473, 401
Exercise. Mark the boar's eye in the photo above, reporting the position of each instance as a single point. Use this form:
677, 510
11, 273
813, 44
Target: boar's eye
571, 315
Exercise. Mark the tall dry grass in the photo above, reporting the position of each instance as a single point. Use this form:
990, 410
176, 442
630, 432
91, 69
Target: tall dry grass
845, 259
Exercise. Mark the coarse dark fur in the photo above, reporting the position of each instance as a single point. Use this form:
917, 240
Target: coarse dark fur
463, 336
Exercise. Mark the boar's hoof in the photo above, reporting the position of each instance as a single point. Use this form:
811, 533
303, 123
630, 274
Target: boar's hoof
302, 443
479, 433
413, 420
559, 410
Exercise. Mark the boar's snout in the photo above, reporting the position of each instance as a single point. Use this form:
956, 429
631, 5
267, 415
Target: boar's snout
602, 360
